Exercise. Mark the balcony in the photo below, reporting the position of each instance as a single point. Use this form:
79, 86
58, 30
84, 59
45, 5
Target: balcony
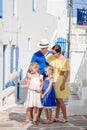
81, 16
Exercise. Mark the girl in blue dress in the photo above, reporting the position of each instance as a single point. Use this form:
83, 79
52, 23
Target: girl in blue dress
48, 95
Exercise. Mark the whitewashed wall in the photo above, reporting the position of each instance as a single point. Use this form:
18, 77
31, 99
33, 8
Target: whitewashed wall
35, 25
78, 62
25, 24
58, 9
1, 61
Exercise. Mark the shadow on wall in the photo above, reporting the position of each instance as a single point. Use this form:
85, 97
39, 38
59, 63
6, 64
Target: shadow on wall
15, 77
10, 83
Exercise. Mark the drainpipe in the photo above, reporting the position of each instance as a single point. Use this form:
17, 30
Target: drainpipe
69, 33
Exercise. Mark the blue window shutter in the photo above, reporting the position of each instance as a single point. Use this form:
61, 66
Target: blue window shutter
33, 5
1, 8
11, 59
17, 58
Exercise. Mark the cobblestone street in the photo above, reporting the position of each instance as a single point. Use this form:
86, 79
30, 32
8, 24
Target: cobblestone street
11, 119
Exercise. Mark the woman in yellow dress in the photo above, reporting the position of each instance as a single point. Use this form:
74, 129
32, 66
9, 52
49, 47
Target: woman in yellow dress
61, 72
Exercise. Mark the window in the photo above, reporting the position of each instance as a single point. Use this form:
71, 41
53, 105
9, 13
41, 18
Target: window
10, 61
82, 16
29, 43
14, 57
82, 38
4, 64
0, 8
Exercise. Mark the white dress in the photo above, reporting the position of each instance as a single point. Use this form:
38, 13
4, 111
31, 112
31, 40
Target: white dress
33, 98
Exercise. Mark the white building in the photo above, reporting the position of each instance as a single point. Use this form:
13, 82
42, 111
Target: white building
78, 59
22, 25
58, 8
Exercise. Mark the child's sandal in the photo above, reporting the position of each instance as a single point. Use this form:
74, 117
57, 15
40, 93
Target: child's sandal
25, 122
45, 122
50, 122
35, 122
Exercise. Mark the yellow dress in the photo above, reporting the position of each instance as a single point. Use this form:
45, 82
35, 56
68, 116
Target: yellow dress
59, 65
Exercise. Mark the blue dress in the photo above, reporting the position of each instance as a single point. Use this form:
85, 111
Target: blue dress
49, 100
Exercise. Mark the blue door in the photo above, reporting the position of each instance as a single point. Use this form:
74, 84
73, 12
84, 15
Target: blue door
62, 42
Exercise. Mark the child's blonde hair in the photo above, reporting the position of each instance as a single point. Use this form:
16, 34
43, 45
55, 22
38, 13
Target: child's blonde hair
49, 67
33, 65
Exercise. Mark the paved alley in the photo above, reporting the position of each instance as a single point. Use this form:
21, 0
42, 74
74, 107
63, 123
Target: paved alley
11, 119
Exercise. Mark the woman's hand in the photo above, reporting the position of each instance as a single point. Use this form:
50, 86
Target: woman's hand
62, 87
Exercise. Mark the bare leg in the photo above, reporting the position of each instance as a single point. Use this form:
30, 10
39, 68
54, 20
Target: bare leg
26, 121
50, 115
63, 108
35, 115
57, 109
31, 113
27, 113
47, 116
39, 112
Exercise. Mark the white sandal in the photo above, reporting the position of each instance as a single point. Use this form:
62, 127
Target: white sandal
56, 119
63, 120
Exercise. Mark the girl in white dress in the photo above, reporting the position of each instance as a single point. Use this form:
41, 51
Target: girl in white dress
34, 82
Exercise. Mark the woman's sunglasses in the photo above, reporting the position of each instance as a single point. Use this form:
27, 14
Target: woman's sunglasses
54, 53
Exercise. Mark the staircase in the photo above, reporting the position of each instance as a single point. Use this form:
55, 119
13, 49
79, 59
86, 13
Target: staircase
77, 104
7, 98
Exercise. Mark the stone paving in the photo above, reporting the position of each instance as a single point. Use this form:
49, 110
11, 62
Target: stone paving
11, 119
